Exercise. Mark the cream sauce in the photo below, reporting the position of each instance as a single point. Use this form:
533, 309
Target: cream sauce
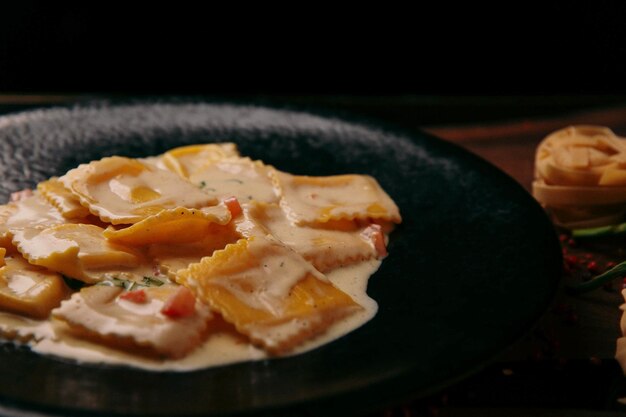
168, 191
241, 178
222, 346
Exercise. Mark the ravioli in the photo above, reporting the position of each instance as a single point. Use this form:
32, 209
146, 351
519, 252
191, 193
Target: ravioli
270, 293
171, 258
6, 210
32, 212
125, 191
164, 226
29, 290
194, 256
187, 160
79, 251
326, 248
60, 197
104, 314
309, 200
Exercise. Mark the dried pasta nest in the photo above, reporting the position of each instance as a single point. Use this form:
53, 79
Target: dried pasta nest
580, 176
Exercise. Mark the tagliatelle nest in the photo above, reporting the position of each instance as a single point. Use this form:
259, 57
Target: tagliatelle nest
580, 176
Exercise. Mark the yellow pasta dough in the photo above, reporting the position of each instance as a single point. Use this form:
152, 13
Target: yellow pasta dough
580, 176
164, 227
29, 290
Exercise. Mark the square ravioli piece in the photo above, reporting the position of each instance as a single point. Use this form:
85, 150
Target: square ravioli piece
124, 191
79, 251
28, 289
338, 243
309, 200
268, 292
136, 321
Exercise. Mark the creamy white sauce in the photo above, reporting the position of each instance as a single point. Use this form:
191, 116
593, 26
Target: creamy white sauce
240, 178
222, 346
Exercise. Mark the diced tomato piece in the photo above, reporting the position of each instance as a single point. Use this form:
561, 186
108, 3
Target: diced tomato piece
374, 233
180, 304
136, 296
233, 206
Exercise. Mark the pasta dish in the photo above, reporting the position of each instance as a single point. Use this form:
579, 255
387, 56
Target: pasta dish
193, 258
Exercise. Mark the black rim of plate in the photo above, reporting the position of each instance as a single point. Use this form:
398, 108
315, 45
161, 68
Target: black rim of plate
473, 266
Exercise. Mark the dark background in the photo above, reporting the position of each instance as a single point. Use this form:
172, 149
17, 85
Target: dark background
429, 64
315, 48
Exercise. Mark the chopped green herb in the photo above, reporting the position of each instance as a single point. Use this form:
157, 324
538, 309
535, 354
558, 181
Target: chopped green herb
203, 186
121, 283
235, 180
115, 282
152, 282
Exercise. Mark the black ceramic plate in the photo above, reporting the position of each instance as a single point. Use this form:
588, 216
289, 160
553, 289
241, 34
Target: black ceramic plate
471, 268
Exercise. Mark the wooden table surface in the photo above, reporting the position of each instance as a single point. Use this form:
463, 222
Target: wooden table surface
565, 365
566, 362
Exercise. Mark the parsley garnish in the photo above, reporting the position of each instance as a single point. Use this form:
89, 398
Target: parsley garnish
152, 282
130, 285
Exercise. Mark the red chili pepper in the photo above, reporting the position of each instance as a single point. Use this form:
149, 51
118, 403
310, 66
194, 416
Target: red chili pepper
571, 260
592, 266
